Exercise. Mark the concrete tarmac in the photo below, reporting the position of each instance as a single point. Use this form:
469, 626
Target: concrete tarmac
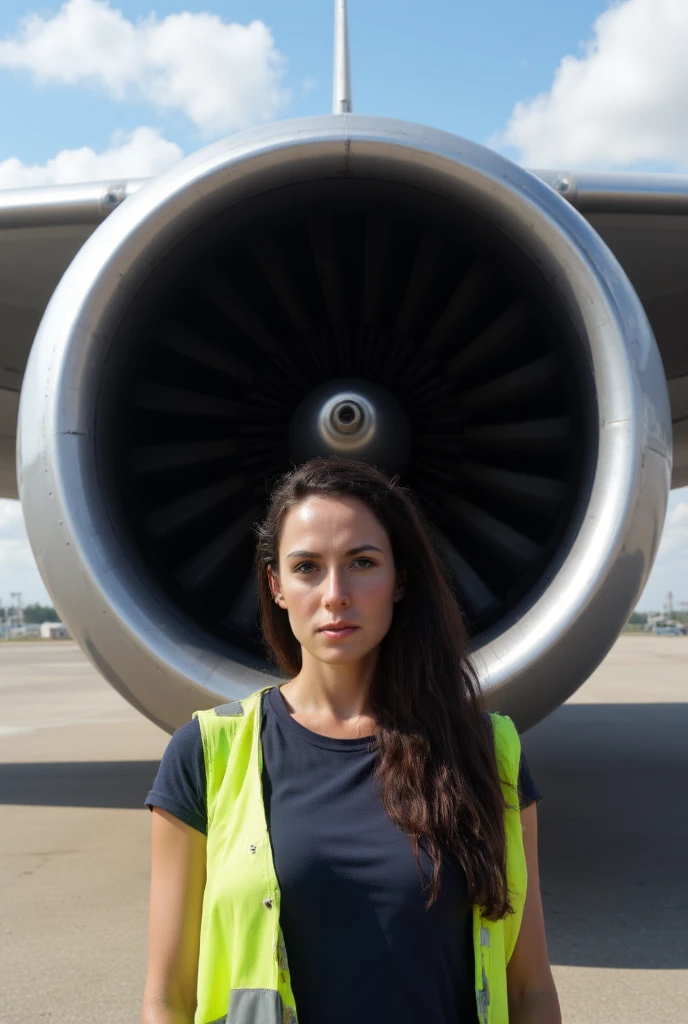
76, 762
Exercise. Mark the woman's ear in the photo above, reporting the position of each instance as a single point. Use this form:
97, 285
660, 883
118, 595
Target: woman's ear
275, 588
400, 588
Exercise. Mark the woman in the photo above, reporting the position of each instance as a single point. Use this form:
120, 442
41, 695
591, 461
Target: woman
366, 855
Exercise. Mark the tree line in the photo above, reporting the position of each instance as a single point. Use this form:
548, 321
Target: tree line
640, 618
31, 613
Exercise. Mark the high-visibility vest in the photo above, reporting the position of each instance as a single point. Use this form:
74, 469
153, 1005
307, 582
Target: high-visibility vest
243, 973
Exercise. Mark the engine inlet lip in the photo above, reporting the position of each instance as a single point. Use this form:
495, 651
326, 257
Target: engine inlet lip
147, 650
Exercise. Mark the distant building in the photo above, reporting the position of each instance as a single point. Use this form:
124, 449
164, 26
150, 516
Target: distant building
54, 631
26, 632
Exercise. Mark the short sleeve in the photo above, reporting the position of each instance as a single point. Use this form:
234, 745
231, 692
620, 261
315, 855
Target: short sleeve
180, 785
528, 792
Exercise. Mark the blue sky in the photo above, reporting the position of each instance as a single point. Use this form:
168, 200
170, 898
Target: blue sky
590, 84
455, 65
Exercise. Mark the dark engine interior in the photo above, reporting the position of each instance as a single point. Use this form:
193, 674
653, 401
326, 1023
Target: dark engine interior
315, 283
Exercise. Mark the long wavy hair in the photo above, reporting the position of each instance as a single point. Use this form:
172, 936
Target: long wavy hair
436, 764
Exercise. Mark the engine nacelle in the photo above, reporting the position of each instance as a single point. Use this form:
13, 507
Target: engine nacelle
343, 284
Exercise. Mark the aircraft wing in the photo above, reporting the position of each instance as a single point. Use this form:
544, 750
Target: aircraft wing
643, 218
41, 230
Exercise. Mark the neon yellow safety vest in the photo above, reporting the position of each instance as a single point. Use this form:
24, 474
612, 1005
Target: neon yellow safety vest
243, 975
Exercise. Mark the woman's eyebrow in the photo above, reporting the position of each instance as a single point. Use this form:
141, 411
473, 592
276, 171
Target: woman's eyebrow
353, 551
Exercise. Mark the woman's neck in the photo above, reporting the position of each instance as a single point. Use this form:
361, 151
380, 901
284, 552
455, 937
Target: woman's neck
332, 698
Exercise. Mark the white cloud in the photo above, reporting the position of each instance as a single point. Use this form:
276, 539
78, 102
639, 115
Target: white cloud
18, 570
222, 75
622, 102
142, 154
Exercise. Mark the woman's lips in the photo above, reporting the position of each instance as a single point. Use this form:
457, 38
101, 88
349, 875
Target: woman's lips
339, 634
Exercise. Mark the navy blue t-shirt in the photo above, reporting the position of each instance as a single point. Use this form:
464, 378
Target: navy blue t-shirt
352, 902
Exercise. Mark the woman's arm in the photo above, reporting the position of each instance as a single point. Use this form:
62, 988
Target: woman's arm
532, 995
176, 901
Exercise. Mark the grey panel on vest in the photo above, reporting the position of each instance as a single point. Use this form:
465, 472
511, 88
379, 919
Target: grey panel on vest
220, 1020
255, 1006
234, 708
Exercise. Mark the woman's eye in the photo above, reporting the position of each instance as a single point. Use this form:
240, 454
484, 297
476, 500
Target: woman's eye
363, 563
304, 567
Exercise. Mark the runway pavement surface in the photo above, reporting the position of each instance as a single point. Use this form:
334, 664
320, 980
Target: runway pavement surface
76, 762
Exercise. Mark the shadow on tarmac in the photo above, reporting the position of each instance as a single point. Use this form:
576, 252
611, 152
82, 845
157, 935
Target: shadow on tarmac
613, 826
116, 784
613, 831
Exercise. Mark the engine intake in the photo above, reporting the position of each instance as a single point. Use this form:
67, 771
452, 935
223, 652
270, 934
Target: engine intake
343, 285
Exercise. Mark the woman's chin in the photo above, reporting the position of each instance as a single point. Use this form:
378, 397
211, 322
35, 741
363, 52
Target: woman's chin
336, 656
340, 653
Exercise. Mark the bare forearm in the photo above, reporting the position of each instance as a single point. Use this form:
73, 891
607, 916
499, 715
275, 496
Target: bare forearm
164, 1013
540, 1007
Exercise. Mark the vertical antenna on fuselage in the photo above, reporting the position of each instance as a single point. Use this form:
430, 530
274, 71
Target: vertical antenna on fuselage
341, 97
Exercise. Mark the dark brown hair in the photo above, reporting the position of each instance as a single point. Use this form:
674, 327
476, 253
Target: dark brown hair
435, 754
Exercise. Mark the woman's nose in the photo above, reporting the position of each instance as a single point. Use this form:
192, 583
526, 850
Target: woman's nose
335, 592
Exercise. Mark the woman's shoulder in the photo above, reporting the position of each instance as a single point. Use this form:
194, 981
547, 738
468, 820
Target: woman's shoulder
185, 743
508, 748
507, 743
501, 727
180, 784
188, 733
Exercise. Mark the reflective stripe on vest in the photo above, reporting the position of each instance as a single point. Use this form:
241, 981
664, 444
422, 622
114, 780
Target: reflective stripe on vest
243, 973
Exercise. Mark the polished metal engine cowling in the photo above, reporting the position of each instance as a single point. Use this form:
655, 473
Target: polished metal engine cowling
353, 285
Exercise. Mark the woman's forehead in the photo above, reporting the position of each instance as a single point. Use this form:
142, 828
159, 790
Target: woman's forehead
332, 521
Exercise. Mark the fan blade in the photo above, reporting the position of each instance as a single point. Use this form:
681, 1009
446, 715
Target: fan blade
542, 494
156, 458
242, 614
467, 296
161, 398
376, 245
474, 592
503, 332
425, 267
184, 510
268, 256
200, 570
516, 386
552, 434
215, 287
191, 345
516, 550
325, 256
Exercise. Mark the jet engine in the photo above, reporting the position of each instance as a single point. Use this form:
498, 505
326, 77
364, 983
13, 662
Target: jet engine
351, 285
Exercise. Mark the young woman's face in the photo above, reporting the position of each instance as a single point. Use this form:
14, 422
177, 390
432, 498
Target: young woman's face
336, 570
